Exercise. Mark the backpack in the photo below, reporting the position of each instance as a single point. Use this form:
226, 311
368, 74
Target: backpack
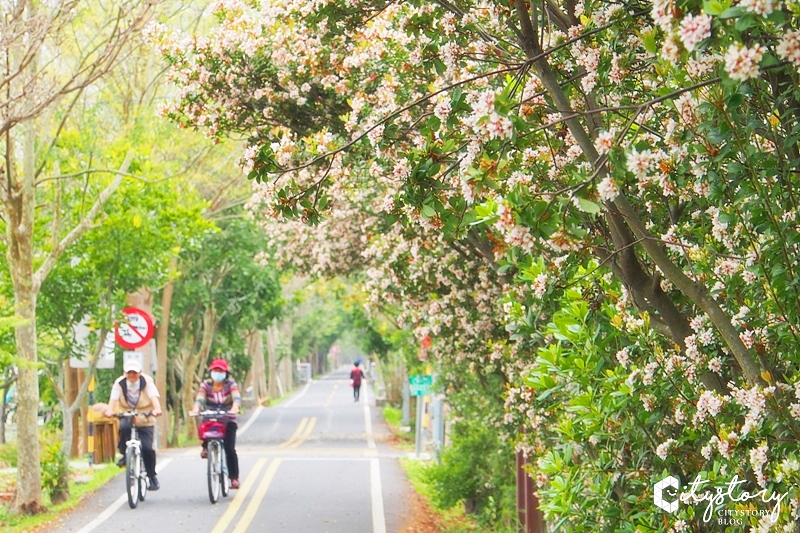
124, 384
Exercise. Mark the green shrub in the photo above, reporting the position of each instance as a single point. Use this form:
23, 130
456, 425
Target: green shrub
55, 471
476, 469
392, 415
8, 455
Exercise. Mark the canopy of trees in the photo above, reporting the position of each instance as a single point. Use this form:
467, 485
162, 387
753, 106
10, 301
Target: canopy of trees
593, 201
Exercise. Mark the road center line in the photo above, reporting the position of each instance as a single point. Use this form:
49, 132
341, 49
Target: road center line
306, 433
258, 497
376, 491
296, 433
234, 506
116, 504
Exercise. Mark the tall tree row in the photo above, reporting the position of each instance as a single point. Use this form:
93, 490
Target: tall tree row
592, 202
80, 49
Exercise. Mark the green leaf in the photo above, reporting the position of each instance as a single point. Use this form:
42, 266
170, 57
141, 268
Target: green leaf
587, 206
713, 7
732, 12
428, 211
735, 100
649, 42
745, 22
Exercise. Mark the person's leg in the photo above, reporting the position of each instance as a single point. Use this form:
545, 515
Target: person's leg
230, 450
357, 391
148, 453
124, 436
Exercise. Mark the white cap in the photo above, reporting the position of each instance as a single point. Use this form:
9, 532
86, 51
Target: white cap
132, 364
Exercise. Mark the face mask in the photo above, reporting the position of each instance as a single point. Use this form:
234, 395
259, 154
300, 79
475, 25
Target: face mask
132, 383
218, 376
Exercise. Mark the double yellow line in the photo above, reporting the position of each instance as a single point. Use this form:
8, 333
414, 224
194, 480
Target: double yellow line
241, 495
300, 434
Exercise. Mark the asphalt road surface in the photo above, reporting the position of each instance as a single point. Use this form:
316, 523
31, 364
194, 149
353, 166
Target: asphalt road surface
316, 463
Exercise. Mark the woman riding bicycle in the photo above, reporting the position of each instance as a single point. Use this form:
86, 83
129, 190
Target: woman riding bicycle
221, 392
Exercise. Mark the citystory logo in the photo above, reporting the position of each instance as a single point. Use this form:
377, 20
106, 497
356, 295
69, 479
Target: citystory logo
658, 493
667, 497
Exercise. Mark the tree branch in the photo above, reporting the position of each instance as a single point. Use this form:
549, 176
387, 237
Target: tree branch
82, 226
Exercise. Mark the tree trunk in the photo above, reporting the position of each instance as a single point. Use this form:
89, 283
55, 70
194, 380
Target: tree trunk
19, 204
196, 361
162, 338
256, 350
174, 399
3, 406
286, 362
143, 299
71, 420
272, 346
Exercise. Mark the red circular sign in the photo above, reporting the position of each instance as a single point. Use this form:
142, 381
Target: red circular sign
136, 330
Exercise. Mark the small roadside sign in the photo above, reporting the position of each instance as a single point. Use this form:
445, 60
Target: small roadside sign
136, 329
106, 356
420, 384
133, 356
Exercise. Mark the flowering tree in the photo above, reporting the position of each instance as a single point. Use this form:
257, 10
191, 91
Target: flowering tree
616, 181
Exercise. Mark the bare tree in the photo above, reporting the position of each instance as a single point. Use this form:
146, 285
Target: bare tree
51, 52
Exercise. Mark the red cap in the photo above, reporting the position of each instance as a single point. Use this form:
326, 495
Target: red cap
219, 364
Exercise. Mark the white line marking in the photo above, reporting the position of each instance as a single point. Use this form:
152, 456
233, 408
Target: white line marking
105, 515
378, 518
111, 509
290, 402
368, 425
250, 420
331, 459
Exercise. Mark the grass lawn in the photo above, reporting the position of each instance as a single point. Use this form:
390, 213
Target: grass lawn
10, 523
393, 417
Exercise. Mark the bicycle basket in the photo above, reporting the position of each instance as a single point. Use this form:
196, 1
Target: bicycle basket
211, 429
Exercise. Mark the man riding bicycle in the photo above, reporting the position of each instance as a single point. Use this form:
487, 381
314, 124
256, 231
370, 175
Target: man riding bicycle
221, 392
136, 391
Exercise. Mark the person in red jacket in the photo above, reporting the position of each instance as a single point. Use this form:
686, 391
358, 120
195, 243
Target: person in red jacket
356, 375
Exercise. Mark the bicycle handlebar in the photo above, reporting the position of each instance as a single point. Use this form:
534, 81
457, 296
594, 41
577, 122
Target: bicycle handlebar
131, 414
214, 412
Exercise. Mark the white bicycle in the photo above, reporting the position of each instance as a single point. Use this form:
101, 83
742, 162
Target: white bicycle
136, 481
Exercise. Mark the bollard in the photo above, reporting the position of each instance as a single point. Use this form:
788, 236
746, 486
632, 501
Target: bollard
90, 419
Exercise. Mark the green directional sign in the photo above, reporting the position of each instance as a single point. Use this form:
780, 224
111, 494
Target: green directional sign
420, 384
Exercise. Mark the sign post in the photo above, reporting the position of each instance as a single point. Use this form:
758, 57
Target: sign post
419, 385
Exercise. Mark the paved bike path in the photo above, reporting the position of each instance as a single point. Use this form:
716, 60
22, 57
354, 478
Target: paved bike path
314, 464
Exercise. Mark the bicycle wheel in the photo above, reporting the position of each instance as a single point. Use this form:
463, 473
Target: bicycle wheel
225, 478
132, 476
213, 471
142, 479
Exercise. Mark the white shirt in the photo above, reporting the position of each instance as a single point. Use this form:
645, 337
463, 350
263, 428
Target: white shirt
149, 386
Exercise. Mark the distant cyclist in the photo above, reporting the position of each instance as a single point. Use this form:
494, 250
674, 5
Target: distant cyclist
356, 375
221, 392
136, 391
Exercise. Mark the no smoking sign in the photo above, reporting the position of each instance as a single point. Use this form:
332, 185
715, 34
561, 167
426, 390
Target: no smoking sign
135, 330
